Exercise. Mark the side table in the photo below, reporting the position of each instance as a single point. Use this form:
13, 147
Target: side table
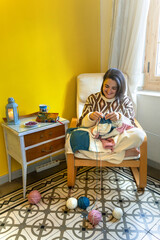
29, 145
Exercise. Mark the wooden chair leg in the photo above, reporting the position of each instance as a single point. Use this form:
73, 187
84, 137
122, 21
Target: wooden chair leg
136, 175
71, 170
143, 165
140, 174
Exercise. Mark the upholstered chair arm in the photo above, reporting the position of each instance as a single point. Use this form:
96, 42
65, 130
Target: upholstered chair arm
139, 126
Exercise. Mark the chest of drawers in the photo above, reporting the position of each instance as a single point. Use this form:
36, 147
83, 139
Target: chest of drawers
28, 145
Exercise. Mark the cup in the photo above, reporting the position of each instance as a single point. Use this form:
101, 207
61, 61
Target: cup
44, 108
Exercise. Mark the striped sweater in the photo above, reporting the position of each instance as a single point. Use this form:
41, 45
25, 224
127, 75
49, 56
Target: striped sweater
98, 102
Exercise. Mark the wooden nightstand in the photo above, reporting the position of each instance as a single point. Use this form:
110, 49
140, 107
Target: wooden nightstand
29, 145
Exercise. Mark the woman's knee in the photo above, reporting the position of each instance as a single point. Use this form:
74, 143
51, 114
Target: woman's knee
138, 135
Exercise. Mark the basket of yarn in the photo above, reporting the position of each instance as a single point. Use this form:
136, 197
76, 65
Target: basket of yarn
34, 197
94, 216
83, 202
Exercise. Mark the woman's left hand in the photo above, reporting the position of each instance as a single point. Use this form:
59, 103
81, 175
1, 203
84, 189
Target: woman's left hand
113, 116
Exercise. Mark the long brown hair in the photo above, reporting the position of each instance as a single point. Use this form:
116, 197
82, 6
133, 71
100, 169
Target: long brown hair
116, 75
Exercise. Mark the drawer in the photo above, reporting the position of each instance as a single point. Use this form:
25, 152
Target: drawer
45, 149
44, 135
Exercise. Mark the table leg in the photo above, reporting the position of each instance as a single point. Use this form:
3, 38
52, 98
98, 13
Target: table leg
9, 167
24, 178
8, 156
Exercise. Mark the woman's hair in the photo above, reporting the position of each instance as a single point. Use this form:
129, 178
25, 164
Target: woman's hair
117, 76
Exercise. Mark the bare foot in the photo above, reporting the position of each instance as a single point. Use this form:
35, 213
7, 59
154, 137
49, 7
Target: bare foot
132, 152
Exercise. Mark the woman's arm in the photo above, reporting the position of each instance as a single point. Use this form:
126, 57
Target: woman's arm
90, 106
127, 109
122, 112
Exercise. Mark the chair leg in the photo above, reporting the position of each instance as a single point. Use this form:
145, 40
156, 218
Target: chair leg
140, 174
143, 165
71, 170
136, 175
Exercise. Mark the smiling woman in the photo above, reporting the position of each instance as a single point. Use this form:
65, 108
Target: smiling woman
110, 100
112, 104
112, 95
115, 81
109, 88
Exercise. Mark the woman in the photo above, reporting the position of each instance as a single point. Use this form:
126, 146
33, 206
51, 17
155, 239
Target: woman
112, 103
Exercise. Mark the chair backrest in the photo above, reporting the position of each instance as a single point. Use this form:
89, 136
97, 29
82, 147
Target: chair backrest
88, 83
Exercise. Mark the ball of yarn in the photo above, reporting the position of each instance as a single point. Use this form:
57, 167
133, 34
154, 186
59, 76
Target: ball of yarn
71, 203
83, 202
34, 197
94, 216
117, 213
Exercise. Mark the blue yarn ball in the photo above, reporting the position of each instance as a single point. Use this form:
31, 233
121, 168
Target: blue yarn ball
83, 202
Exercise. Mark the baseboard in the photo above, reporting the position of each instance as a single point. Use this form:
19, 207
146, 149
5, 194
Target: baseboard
30, 168
153, 164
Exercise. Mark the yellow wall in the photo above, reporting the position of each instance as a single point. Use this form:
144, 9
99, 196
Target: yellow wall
106, 25
44, 45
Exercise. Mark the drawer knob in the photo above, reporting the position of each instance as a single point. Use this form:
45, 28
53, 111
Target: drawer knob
47, 151
41, 136
51, 133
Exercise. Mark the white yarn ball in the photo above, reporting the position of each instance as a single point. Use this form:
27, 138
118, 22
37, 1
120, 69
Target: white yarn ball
117, 213
71, 203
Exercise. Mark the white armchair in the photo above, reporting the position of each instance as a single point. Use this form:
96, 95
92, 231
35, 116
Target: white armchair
87, 84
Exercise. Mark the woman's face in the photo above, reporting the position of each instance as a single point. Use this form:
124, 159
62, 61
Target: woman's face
110, 88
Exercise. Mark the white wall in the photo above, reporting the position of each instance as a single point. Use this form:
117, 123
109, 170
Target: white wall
148, 115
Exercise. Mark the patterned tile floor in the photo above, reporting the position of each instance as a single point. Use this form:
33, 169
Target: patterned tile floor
106, 189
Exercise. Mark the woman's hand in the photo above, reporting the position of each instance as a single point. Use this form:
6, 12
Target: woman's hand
113, 116
95, 115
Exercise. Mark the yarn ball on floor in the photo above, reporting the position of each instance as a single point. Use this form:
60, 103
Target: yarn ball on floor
83, 202
71, 203
117, 213
94, 216
34, 197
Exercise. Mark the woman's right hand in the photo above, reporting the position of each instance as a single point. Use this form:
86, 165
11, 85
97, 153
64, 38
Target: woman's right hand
95, 115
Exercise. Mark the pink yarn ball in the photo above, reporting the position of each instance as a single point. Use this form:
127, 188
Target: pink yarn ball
94, 217
34, 197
